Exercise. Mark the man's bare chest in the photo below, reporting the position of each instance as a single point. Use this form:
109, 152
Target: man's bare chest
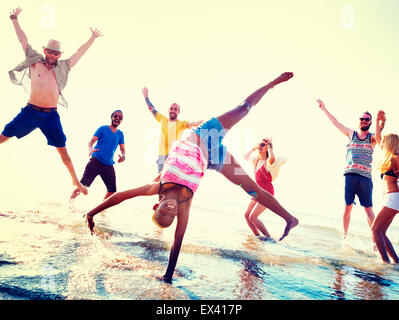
40, 73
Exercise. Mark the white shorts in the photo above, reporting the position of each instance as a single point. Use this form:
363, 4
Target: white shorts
391, 200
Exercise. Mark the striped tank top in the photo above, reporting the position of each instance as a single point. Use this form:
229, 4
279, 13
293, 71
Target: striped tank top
359, 156
185, 165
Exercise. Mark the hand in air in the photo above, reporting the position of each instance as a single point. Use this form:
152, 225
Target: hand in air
145, 92
16, 12
381, 115
96, 33
321, 105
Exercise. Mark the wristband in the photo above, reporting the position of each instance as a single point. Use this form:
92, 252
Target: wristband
13, 16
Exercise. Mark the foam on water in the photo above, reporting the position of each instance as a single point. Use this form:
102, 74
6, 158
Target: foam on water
46, 252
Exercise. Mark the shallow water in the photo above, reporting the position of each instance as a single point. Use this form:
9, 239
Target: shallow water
46, 252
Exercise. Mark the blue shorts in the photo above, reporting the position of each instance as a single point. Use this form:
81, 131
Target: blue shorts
212, 133
29, 119
161, 162
355, 184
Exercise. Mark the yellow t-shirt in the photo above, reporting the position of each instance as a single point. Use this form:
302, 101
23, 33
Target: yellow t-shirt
170, 131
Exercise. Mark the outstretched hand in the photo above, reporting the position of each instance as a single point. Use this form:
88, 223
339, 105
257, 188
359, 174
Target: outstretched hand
145, 92
321, 104
381, 116
16, 12
96, 33
82, 188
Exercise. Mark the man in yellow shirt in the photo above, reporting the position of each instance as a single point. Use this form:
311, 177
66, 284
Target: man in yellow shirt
171, 129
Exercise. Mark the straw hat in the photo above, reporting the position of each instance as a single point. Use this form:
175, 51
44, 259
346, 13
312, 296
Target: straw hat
53, 45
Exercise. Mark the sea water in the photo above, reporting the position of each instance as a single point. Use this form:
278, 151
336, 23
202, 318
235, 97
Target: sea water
47, 252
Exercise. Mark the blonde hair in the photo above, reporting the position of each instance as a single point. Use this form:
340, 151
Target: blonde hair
390, 143
154, 219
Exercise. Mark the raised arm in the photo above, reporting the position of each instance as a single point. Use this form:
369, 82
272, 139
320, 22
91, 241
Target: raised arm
23, 39
247, 156
380, 124
272, 158
151, 108
82, 50
346, 131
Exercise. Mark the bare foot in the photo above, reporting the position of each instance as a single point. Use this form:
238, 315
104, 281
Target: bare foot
284, 77
290, 225
90, 223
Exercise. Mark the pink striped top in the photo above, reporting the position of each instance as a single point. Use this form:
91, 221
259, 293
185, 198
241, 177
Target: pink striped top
185, 165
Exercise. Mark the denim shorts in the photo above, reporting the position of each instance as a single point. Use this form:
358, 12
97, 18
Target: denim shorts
356, 184
29, 119
212, 133
161, 162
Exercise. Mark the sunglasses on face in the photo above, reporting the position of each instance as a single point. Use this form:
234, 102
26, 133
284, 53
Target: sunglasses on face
117, 117
365, 119
53, 52
261, 145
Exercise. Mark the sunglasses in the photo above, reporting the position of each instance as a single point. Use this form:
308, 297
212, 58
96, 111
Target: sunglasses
365, 119
117, 117
53, 52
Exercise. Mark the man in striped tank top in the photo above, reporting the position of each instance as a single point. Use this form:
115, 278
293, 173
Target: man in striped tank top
359, 157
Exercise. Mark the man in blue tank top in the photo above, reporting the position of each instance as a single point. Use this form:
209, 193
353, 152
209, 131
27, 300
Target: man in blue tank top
359, 157
108, 138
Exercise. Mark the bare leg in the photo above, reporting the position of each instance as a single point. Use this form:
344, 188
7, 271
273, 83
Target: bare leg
370, 220
251, 225
259, 224
347, 218
66, 159
118, 197
233, 172
370, 215
108, 194
391, 250
230, 118
3, 139
379, 229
